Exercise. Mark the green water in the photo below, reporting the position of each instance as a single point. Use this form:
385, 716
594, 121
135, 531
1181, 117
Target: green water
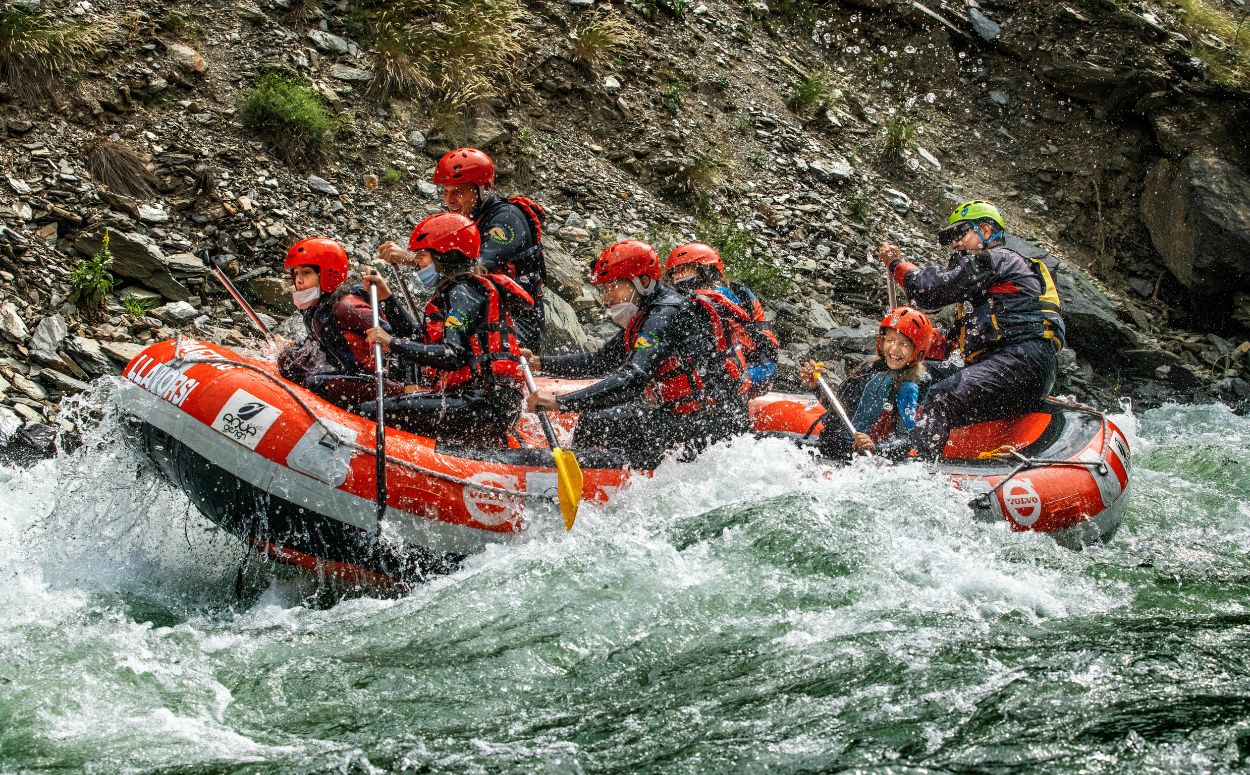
745, 613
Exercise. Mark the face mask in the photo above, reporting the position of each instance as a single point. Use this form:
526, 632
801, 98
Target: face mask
623, 313
428, 275
307, 298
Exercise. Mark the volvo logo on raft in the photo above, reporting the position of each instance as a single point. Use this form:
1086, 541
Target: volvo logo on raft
1022, 501
245, 419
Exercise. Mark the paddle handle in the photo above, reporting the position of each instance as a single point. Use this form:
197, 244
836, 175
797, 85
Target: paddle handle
379, 375
833, 399
891, 291
530, 385
238, 297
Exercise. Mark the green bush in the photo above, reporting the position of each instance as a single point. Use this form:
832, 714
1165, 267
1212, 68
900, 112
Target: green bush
900, 136
290, 118
392, 176
745, 259
137, 305
35, 50
810, 94
90, 279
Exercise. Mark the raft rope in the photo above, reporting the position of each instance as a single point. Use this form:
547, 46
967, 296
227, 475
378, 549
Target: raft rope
1029, 463
180, 359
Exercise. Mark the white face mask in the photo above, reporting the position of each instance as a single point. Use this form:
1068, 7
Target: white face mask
306, 298
623, 313
428, 275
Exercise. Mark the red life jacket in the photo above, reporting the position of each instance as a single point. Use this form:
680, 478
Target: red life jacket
493, 345
756, 310
735, 319
678, 385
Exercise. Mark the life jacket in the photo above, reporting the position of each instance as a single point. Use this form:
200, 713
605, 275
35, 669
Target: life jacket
492, 345
751, 303
736, 320
681, 384
348, 351
1003, 315
890, 421
532, 260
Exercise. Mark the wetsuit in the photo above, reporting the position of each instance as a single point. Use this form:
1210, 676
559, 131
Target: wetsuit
336, 362
510, 246
469, 352
762, 358
1010, 333
886, 411
671, 382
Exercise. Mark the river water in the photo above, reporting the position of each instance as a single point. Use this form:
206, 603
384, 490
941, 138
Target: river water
747, 612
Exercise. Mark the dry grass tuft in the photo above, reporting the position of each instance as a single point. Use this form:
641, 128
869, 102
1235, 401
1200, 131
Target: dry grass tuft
35, 51
120, 168
454, 51
602, 38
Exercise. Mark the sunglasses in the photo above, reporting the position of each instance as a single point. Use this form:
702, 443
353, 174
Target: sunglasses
952, 234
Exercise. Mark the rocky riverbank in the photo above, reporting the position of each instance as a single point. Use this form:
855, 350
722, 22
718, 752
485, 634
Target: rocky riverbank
794, 135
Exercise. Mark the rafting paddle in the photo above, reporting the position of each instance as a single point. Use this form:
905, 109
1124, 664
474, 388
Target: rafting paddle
833, 398
238, 297
568, 471
379, 443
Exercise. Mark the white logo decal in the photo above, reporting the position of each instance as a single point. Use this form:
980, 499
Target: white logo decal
245, 418
491, 508
1022, 501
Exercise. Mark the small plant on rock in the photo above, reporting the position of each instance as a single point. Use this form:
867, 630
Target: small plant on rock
181, 24
744, 260
91, 279
673, 97
35, 50
900, 136
290, 118
603, 37
810, 95
392, 176
138, 306
119, 167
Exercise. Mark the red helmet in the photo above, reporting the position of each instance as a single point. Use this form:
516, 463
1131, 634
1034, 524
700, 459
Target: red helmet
465, 165
324, 253
445, 232
911, 323
694, 253
626, 260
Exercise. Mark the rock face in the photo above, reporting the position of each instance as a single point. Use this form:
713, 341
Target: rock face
138, 257
1198, 214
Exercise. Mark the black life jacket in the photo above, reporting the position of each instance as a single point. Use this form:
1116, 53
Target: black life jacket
1002, 314
348, 351
681, 384
493, 346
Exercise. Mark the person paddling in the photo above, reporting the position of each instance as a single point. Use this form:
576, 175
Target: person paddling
468, 347
673, 379
1011, 338
335, 361
886, 414
697, 268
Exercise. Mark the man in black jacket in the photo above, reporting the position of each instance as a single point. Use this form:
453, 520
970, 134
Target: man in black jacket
673, 380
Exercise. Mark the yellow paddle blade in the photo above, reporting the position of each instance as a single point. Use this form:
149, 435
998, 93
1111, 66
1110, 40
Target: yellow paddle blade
569, 484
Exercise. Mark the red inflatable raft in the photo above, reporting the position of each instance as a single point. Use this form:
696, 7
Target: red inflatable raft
294, 476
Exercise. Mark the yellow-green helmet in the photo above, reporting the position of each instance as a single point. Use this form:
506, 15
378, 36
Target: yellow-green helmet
975, 210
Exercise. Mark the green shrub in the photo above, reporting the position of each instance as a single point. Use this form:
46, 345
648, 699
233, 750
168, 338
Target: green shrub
673, 97
1228, 60
601, 38
860, 207
290, 118
137, 305
453, 51
745, 259
651, 8
90, 279
810, 95
181, 24
35, 50
900, 136
392, 176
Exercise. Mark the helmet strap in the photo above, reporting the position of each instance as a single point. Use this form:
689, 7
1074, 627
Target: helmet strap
643, 290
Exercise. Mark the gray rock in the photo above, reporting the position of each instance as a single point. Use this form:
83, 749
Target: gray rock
819, 321
897, 200
64, 382
329, 43
176, 313
565, 273
831, 169
87, 354
186, 57
321, 186
121, 352
136, 256
154, 213
1198, 213
999, 97
861, 339
416, 139
352, 74
49, 333
271, 292
29, 387
427, 188
10, 424
564, 330
986, 27
12, 327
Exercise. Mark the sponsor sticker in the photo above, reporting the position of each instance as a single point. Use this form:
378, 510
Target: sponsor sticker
245, 418
490, 508
1022, 501
502, 233
160, 379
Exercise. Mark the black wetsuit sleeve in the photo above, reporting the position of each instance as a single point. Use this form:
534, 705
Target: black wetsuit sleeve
402, 323
504, 237
963, 278
465, 310
593, 364
659, 337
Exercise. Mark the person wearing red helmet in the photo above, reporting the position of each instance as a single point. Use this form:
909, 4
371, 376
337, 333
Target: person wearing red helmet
335, 361
671, 378
510, 229
467, 348
697, 268
887, 411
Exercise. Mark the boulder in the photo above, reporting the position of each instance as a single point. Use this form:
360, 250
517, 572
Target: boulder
49, 333
564, 330
565, 273
10, 424
1198, 214
271, 292
87, 354
12, 327
136, 256
122, 352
